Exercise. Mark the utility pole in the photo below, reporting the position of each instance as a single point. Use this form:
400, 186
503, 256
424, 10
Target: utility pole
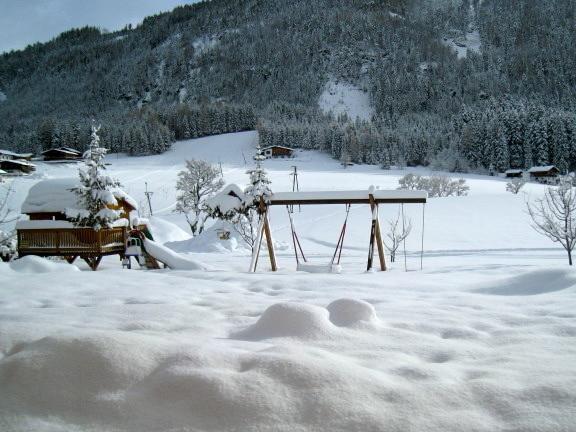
148, 196
295, 186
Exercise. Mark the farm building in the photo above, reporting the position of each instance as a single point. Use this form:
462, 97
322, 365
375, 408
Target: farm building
50, 232
513, 173
8, 155
544, 174
17, 166
277, 151
61, 154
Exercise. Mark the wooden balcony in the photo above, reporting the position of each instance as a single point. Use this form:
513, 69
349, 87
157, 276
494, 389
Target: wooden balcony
72, 243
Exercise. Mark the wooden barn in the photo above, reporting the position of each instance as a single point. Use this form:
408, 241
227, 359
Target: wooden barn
62, 154
8, 155
544, 174
50, 232
276, 151
514, 173
17, 166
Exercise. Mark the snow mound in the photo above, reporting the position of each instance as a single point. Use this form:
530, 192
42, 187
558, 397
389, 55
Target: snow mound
164, 231
209, 241
35, 264
345, 98
532, 283
76, 374
172, 259
349, 312
289, 320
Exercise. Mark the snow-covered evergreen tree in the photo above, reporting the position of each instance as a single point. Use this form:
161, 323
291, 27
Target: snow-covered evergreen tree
259, 182
95, 192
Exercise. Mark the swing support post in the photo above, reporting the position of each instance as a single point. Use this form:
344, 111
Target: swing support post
263, 230
375, 238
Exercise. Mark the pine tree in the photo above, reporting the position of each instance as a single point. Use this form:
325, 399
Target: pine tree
259, 183
95, 193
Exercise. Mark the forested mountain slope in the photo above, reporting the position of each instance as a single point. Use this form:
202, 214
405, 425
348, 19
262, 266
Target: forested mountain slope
231, 65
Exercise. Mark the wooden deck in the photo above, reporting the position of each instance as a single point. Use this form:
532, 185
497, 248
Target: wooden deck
72, 243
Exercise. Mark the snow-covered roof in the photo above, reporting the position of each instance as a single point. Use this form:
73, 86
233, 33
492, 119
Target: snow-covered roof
17, 155
514, 171
358, 196
278, 146
544, 168
228, 199
3, 172
55, 224
56, 195
19, 162
63, 150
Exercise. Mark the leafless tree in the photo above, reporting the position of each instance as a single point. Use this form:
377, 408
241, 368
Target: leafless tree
554, 215
515, 185
436, 186
198, 181
399, 229
7, 216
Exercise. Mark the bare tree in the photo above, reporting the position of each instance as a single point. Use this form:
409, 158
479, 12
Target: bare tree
7, 216
399, 229
515, 185
197, 182
436, 186
554, 215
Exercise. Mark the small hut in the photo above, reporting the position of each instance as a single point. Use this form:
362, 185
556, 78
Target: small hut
13, 166
8, 155
544, 174
277, 151
513, 173
61, 154
49, 231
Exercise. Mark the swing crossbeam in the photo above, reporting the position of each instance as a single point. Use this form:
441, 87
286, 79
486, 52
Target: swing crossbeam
372, 197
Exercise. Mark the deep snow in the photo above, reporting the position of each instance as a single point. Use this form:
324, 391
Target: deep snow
482, 339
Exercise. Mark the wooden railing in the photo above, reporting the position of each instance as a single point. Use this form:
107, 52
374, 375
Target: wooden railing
71, 241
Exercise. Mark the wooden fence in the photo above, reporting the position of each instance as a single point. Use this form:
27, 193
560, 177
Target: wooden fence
71, 243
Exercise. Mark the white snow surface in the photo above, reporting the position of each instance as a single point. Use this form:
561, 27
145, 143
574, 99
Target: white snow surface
3, 97
172, 259
209, 241
56, 195
344, 98
34, 264
481, 339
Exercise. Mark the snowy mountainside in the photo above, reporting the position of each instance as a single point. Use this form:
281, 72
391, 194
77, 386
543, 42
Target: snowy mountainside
459, 345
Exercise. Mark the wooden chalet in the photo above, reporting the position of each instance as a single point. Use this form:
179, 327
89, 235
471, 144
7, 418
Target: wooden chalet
8, 155
13, 166
50, 232
544, 174
276, 151
514, 173
62, 154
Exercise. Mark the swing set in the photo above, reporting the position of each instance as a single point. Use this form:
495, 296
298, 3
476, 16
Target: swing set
373, 197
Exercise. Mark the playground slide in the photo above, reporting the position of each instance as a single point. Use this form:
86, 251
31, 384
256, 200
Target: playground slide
172, 259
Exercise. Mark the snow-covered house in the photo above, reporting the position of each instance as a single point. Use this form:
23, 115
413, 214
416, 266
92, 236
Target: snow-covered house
513, 173
49, 231
544, 174
61, 154
277, 151
9, 155
17, 166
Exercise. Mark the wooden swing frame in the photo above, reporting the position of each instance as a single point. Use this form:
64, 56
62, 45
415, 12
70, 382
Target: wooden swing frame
372, 197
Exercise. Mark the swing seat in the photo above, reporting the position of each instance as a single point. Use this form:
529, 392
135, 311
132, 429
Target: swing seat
318, 268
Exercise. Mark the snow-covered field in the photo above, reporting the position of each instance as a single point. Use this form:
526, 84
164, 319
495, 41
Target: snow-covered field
481, 339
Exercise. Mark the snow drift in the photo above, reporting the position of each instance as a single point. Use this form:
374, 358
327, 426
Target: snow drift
35, 264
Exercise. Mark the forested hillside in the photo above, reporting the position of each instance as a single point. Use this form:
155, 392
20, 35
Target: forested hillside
508, 100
